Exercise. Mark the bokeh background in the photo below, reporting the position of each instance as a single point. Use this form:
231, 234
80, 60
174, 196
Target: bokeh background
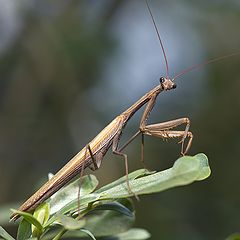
67, 68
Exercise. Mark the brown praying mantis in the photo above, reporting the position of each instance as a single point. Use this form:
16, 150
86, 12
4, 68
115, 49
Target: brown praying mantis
93, 153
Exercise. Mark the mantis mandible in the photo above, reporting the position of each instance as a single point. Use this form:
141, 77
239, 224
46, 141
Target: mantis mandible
93, 153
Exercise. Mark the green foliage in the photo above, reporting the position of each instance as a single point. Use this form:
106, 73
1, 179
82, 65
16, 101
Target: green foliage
234, 236
5, 235
107, 212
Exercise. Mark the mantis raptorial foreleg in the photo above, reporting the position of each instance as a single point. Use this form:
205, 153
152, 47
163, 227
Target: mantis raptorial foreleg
162, 130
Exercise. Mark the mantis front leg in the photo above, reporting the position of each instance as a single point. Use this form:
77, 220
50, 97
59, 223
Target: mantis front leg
162, 130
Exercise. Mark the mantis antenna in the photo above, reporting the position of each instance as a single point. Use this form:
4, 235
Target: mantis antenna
160, 40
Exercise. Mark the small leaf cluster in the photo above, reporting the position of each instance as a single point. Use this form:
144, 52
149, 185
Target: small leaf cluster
107, 212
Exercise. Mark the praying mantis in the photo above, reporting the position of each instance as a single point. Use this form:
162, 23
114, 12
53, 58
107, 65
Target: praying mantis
93, 153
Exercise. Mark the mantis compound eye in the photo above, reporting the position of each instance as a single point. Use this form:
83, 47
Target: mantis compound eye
162, 79
174, 86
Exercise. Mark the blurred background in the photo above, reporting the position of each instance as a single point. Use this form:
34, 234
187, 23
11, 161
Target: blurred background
67, 68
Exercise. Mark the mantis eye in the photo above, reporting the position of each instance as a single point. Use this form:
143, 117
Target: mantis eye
174, 85
162, 79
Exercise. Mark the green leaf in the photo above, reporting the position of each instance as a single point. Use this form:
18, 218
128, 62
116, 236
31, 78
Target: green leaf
234, 236
70, 192
133, 234
205, 169
70, 223
133, 175
41, 213
105, 223
88, 233
5, 235
73, 206
24, 230
114, 206
28, 217
109, 222
184, 171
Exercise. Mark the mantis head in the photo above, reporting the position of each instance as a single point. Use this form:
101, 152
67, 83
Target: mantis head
167, 83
